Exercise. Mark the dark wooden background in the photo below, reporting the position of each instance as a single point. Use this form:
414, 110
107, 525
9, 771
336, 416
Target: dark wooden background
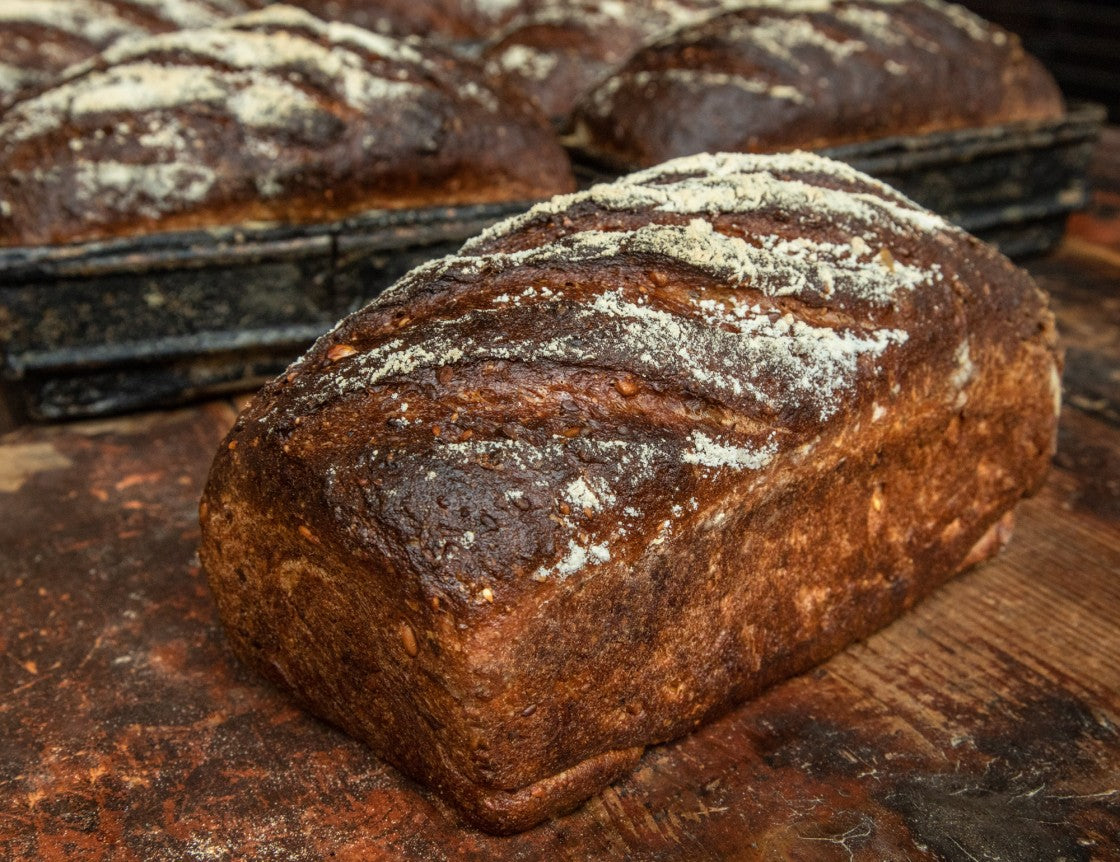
1078, 40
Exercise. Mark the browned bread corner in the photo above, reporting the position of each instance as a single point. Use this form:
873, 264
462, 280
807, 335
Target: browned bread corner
272, 116
40, 38
811, 74
623, 462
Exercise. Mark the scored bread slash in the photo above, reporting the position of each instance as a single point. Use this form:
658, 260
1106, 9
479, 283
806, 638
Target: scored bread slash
824, 434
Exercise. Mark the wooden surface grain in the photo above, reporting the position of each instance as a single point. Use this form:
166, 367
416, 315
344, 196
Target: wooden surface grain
985, 725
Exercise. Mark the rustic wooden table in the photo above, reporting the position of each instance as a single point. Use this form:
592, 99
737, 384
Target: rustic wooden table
985, 725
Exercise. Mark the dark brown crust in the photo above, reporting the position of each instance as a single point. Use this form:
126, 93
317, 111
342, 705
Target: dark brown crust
41, 47
330, 523
452, 20
452, 138
927, 67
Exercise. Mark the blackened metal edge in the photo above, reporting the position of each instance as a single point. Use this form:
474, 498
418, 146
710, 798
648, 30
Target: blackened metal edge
113, 369
237, 244
1082, 123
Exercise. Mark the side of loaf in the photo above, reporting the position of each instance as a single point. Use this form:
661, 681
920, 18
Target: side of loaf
809, 74
272, 116
622, 462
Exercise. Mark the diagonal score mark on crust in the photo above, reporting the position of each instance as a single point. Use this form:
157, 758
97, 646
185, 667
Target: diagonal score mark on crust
715, 345
812, 363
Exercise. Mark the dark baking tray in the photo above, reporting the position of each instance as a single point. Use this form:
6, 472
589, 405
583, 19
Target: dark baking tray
108, 327
1011, 185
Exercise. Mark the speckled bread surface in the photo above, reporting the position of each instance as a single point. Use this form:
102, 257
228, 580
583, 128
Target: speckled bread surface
40, 38
272, 116
447, 20
557, 50
809, 74
622, 462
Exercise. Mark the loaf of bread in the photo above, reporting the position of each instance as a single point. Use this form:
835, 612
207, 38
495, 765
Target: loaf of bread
622, 462
557, 50
272, 116
40, 38
810, 74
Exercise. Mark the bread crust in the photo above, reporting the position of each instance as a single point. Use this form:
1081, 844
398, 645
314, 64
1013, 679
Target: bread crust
811, 74
447, 20
624, 462
272, 116
40, 38
557, 50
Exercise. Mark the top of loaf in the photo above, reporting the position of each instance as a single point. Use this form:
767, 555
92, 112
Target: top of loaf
817, 364
39, 38
773, 75
556, 50
272, 115
582, 380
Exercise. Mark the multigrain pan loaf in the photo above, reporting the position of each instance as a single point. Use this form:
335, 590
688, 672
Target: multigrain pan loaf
810, 74
40, 38
557, 50
274, 115
623, 462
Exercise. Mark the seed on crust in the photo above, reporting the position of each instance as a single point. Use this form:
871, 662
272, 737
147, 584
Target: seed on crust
340, 351
408, 640
626, 387
305, 531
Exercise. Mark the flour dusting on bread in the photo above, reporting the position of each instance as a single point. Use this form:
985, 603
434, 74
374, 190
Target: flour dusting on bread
762, 324
767, 76
275, 104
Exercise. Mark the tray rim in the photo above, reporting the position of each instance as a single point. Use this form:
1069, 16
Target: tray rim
241, 244
1081, 122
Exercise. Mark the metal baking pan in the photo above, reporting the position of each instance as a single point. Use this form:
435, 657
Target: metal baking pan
108, 327
1011, 185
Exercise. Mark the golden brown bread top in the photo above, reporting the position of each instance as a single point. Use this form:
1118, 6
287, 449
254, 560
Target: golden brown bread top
557, 50
812, 73
40, 38
271, 116
559, 394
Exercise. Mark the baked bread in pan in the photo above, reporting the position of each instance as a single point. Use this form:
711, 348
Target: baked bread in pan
272, 116
811, 74
40, 38
623, 462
